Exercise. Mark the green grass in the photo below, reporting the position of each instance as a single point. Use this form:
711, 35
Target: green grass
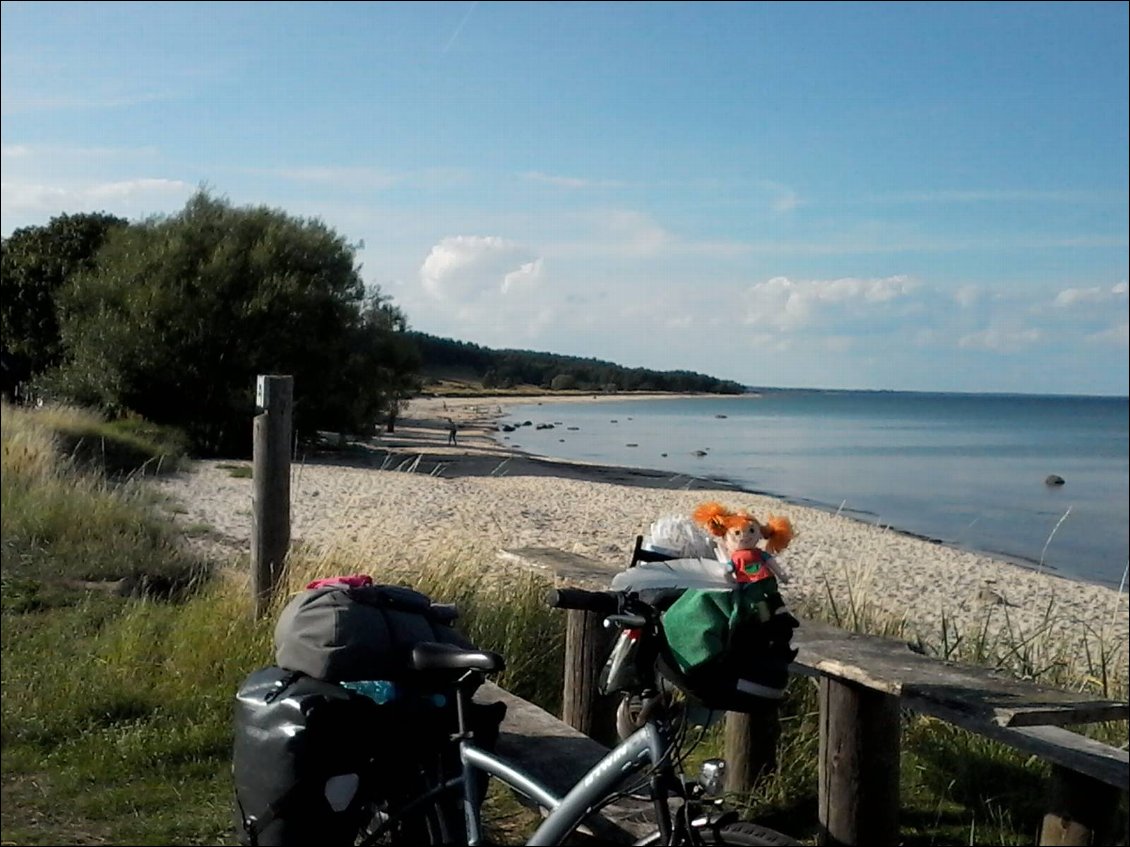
121, 656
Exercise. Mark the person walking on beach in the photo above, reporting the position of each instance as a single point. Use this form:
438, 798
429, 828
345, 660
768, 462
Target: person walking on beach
451, 429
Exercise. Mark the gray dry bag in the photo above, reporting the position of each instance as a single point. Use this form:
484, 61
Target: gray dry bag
342, 634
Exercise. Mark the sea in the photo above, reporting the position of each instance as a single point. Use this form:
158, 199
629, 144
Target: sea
967, 470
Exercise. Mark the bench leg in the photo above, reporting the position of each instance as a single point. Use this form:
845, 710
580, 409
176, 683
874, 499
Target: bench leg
859, 765
751, 747
1080, 811
586, 647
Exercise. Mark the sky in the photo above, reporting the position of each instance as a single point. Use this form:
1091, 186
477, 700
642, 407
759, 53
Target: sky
895, 196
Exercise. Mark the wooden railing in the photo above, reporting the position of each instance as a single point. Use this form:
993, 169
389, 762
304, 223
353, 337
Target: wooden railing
865, 682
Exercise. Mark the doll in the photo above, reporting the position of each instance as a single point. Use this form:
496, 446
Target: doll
737, 536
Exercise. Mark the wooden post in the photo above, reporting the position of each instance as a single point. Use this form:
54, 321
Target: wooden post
1081, 810
586, 648
859, 765
270, 514
751, 747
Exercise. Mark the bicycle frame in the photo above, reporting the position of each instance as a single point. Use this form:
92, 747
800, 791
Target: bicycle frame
633, 755
643, 749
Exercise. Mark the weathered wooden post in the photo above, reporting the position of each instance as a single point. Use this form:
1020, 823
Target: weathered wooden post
751, 746
1081, 810
859, 765
270, 513
586, 647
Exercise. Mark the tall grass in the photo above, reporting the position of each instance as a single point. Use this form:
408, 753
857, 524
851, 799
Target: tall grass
65, 522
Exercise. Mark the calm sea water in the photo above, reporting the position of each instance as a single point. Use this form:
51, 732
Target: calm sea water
965, 469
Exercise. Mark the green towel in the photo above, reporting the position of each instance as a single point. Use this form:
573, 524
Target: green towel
700, 624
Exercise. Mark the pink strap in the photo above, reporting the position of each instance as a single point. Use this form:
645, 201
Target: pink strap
355, 581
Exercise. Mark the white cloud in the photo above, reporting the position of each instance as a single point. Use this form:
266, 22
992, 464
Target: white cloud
790, 305
369, 178
465, 268
1000, 339
47, 103
1090, 296
528, 274
127, 196
635, 234
1119, 335
785, 199
570, 181
979, 195
364, 178
52, 153
967, 296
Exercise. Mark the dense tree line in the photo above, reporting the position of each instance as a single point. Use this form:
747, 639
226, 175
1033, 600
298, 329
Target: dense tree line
507, 368
173, 317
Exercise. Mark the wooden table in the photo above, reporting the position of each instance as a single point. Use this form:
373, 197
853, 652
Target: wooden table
865, 682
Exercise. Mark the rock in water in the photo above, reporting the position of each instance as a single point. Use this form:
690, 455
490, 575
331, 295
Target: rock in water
1053, 479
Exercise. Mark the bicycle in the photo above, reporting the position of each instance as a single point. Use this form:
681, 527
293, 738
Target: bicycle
444, 805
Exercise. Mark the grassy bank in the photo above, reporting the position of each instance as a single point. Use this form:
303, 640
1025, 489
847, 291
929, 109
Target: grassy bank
121, 655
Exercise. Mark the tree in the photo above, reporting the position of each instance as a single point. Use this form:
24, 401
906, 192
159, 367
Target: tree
398, 357
182, 312
383, 366
35, 262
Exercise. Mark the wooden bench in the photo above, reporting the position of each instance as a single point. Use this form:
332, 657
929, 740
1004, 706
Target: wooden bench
865, 682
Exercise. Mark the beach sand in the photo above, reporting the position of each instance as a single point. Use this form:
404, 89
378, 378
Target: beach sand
412, 491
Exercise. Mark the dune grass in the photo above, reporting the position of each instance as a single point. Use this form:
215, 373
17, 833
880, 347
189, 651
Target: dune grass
121, 656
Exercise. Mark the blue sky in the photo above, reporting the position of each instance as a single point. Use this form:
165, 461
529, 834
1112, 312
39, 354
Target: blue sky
919, 196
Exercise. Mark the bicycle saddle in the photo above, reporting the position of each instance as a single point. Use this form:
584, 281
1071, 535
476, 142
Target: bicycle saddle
433, 656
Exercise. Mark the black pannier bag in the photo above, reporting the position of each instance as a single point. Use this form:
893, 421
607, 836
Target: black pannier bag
313, 758
302, 762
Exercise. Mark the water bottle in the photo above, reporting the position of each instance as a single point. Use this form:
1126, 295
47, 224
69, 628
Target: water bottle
377, 690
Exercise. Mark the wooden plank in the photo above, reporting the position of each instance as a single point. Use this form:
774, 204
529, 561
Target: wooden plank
558, 756
993, 696
1109, 765
1073, 751
572, 568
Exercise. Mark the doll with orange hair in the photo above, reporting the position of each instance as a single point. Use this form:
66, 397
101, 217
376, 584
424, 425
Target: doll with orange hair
738, 536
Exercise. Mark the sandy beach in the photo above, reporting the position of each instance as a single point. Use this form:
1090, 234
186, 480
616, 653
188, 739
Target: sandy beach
412, 491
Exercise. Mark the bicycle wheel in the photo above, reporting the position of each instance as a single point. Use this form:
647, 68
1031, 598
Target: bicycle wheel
739, 834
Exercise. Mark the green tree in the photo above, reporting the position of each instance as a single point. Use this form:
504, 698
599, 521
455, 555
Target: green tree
182, 312
35, 262
385, 360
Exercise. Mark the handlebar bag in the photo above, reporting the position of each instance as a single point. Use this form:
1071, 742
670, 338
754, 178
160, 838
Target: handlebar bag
345, 633
729, 648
